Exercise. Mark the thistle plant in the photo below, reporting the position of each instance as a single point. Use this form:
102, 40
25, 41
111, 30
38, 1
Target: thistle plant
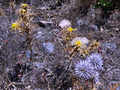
94, 45
88, 68
79, 44
83, 46
83, 69
96, 60
68, 34
24, 24
67, 30
24, 19
74, 44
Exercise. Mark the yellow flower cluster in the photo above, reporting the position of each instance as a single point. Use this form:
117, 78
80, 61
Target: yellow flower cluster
74, 43
22, 16
78, 43
24, 5
15, 26
70, 29
23, 9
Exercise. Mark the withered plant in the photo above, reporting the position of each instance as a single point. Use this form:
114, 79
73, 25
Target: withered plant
24, 25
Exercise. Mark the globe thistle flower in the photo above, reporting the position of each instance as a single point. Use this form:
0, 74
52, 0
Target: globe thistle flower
83, 69
80, 42
65, 23
96, 60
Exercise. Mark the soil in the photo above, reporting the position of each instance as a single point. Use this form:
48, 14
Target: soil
48, 68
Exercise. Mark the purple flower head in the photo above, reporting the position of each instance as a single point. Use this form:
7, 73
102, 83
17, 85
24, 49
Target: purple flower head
83, 69
96, 60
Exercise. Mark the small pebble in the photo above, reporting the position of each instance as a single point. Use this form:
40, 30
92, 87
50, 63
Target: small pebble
82, 22
28, 53
111, 46
38, 65
94, 27
39, 34
49, 47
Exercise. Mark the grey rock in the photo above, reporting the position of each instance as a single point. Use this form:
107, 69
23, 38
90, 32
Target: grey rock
111, 46
94, 27
82, 22
49, 47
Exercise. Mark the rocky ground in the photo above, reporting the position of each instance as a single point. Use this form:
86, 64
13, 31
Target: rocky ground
47, 66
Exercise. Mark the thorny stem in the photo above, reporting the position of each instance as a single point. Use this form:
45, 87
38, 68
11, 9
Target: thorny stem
29, 42
29, 46
71, 55
70, 58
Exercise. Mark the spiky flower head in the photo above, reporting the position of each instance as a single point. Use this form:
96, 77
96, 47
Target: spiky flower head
96, 60
70, 29
65, 23
80, 41
83, 69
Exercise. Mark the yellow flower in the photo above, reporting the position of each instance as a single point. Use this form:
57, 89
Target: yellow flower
70, 29
15, 26
78, 43
67, 38
24, 5
22, 11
